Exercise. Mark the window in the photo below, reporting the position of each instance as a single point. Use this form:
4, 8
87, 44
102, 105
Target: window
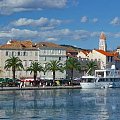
36, 53
59, 58
52, 51
59, 51
44, 58
24, 53
6, 53
30, 61
111, 58
18, 53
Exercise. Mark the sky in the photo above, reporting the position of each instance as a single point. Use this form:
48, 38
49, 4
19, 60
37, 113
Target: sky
67, 22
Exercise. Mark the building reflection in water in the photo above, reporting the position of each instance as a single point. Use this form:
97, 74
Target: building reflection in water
66, 104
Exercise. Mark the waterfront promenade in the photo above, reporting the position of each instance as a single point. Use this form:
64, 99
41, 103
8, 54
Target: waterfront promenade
40, 88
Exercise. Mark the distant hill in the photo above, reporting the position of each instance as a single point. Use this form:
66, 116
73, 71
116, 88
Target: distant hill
71, 47
76, 48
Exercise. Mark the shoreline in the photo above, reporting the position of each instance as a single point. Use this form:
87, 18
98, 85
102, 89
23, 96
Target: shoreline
40, 88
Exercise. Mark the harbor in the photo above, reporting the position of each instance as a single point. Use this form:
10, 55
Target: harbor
60, 104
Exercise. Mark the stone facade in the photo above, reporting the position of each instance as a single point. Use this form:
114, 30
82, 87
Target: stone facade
50, 51
28, 52
102, 56
23, 50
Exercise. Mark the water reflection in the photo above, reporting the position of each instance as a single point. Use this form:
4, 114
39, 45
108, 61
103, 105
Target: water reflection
102, 104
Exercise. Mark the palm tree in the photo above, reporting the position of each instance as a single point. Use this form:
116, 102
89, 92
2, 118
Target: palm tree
15, 63
34, 68
44, 70
91, 66
54, 65
72, 64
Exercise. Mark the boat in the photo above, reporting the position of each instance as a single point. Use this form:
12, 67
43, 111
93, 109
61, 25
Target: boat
103, 78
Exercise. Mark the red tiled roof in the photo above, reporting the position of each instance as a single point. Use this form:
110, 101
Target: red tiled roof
107, 53
14, 44
71, 50
48, 44
86, 52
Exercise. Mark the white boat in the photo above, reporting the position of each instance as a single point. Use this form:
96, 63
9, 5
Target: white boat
104, 78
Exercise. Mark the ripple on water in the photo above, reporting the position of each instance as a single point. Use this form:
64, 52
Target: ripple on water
65, 104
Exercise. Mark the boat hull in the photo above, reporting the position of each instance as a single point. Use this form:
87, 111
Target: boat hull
100, 85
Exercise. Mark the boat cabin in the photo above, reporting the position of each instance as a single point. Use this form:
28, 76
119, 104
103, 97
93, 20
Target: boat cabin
88, 79
107, 73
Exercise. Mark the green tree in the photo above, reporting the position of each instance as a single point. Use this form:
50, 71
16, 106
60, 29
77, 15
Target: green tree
54, 66
71, 65
90, 67
34, 68
15, 63
44, 70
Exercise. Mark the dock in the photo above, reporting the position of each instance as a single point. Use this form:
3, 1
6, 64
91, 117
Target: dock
40, 88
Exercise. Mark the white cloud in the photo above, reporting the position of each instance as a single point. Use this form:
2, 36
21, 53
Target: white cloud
24, 33
51, 39
95, 20
53, 35
43, 23
50, 35
115, 21
17, 33
95, 34
10, 6
117, 35
84, 19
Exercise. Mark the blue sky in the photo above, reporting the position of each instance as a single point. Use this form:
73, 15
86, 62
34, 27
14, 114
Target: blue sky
72, 22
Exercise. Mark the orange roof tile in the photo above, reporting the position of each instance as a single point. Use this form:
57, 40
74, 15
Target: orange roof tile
48, 44
18, 45
70, 49
107, 53
86, 52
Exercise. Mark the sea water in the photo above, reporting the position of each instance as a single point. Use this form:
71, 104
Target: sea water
65, 104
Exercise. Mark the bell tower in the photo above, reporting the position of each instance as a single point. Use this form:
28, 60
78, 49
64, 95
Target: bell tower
102, 42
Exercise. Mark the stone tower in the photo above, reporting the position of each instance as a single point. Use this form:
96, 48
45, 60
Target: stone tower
102, 42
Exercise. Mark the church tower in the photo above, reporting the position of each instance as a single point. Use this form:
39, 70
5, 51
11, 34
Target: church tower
102, 42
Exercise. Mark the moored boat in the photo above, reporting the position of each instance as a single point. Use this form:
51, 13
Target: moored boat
104, 78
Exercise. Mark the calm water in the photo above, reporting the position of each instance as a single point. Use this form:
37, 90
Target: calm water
100, 104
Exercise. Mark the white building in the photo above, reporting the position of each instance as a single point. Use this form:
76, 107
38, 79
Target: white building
27, 51
83, 54
104, 57
22, 49
50, 51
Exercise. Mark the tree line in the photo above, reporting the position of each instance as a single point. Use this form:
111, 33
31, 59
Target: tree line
71, 64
